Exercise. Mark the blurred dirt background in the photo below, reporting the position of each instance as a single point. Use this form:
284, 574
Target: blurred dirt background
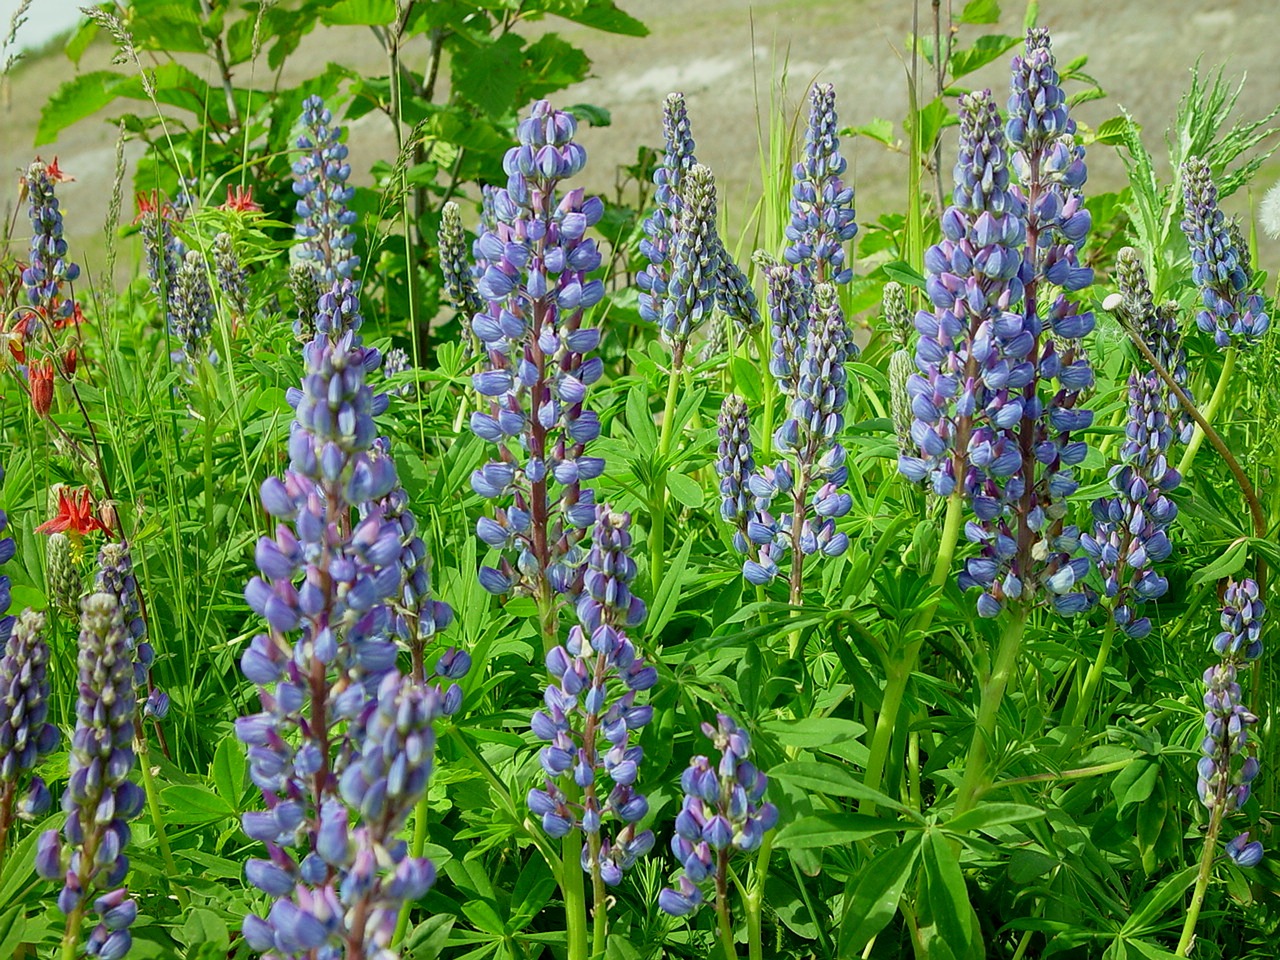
727, 56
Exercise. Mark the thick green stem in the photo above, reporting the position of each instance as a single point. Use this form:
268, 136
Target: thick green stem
1188, 937
71, 938
1094, 677
157, 821
723, 923
418, 847
754, 900
658, 492
1211, 411
993, 689
899, 670
599, 904
574, 892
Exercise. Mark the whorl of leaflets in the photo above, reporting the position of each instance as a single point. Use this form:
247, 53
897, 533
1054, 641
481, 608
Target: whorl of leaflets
537, 258
723, 811
100, 799
320, 182
590, 712
985, 354
822, 214
1229, 763
724, 280
1130, 528
1219, 264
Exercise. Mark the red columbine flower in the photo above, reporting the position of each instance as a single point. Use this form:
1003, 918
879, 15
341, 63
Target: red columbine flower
75, 515
240, 200
55, 172
41, 377
151, 203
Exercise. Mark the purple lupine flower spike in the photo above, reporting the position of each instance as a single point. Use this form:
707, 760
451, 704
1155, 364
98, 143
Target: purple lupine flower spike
590, 713
459, 281
1229, 762
1231, 311
305, 288
233, 280
734, 295
320, 182
735, 463
536, 261
100, 799
723, 811
115, 576
788, 302
660, 226
25, 733
694, 279
49, 270
191, 313
161, 248
822, 214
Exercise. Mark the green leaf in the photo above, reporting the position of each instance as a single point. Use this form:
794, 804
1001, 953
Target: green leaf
228, 769
875, 899
204, 926
80, 40
833, 830
667, 598
833, 781
1231, 561
980, 11
428, 939
944, 903
534, 887
74, 101
597, 14
551, 64
13, 928
1153, 906
360, 13
685, 489
984, 50
810, 732
992, 815
904, 273
745, 377
482, 914
640, 420
195, 804
1134, 783
879, 130
1113, 131
487, 74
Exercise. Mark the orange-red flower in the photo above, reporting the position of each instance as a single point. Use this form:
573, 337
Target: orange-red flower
151, 203
75, 515
41, 376
55, 172
75, 319
240, 200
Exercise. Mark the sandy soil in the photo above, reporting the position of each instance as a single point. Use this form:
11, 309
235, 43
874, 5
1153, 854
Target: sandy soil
721, 52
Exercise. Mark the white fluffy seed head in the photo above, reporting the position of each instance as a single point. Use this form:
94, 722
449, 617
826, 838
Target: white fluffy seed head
1269, 213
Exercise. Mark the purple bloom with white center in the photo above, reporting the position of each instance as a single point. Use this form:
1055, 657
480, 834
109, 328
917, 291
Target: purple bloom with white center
100, 799
723, 811
809, 481
320, 182
822, 214
25, 733
1229, 763
1220, 268
537, 260
49, 269
590, 714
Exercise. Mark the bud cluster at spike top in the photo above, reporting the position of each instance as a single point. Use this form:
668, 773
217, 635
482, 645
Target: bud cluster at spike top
1219, 264
537, 259
320, 182
49, 270
1229, 763
724, 810
822, 214
590, 712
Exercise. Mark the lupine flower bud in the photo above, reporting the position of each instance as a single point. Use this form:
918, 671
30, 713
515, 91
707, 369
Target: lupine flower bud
115, 576
63, 582
587, 722
40, 374
459, 282
191, 313
305, 287
49, 269
320, 182
723, 811
25, 734
1219, 267
788, 302
162, 249
735, 464
695, 253
99, 799
233, 281
397, 361
822, 215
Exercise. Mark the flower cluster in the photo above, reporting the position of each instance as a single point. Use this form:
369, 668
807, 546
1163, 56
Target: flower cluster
115, 576
536, 259
693, 282
233, 281
320, 182
62, 575
812, 477
1229, 763
723, 810
100, 800
191, 313
897, 318
162, 249
822, 214
459, 280
735, 464
788, 301
25, 734
1219, 265
306, 295
396, 362
49, 270
588, 722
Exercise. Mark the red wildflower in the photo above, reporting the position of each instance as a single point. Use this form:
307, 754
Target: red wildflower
77, 317
55, 172
151, 203
75, 515
240, 200
41, 376
69, 362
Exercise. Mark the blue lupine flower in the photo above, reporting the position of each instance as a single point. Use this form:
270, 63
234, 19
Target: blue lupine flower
115, 576
735, 463
163, 251
588, 722
537, 258
788, 301
191, 313
694, 278
49, 269
822, 215
1219, 267
1229, 763
459, 281
723, 811
25, 733
233, 281
320, 181
100, 800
